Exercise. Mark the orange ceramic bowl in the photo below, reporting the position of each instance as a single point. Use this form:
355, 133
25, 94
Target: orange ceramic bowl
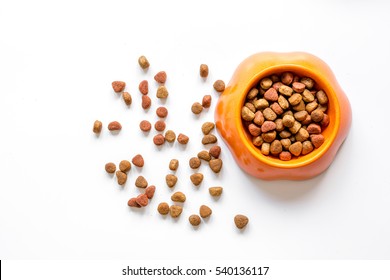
229, 123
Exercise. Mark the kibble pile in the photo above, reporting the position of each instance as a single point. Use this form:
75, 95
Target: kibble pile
210, 156
285, 115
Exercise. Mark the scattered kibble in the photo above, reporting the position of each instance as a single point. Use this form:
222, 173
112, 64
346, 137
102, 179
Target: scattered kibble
138, 160
149, 191
97, 127
173, 164
133, 202
182, 139
158, 139
118, 86
215, 191
159, 125
162, 92
205, 155
196, 108
194, 220
142, 200
143, 62
178, 197
126, 98
170, 136
194, 162
205, 211
171, 180
219, 85
121, 177
196, 178
209, 139
163, 208
206, 101
215, 151
114, 126
207, 127
110, 167
175, 211
161, 112
144, 87
161, 77
215, 165
204, 70
145, 125
241, 221
146, 102
125, 166
141, 182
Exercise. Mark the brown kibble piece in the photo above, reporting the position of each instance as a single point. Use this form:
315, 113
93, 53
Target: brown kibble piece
276, 108
162, 92
301, 135
307, 147
267, 126
146, 102
209, 139
307, 96
97, 127
325, 121
183, 139
309, 83
204, 155
114, 126
287, 78
159, 125
161, 112
126, 98
271, 95
145, 125
296, 127
301, 115
215, 191
205, 211
175, 211
317, 115
322, 97
163, 208
178, 197
298, 87
269, 114
215, 151
310, 107
254, 130
149, 191
279, 125
125, 166
241, 221
216, 165
300, 107
219, 85
286, 90
110, 167
196, 178
314, 128
257, 141
170, 136
269, 136
144, 87
295, 99
276, 147
247, 114
295, 148
207, 127
259, 118
141, 182
133, 202
173, 164
171, 180
206, 101
285, 156
317, 140
194, 162
143, 62
265, 83
196, 108
142, 200
160, 77
265, 147
252, 93
261, 104
138, 160
194, 220
158, 139
283, 102
121, 177
203, 70
118, 86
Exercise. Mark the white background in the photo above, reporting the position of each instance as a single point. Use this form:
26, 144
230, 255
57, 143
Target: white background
57, 62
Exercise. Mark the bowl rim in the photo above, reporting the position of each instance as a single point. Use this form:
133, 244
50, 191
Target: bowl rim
323, 83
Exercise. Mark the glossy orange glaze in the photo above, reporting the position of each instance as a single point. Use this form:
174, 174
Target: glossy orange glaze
229, 124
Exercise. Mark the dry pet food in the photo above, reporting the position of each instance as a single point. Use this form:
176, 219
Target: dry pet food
196, 108
204, 70
142, 200
161, 77
207, 127
209, 139
204, 155
196, 178
215, 151
194, 220
144, 87
171, 180
284, 116
143, 62
219, 85
138, 160
133, 202
121, 177
173, 164
241, 221
163, 208
110, 167
158, 139
126, 98
149, 191
183, 139
159, 125
141, 182
206, 101
175, 211
205, 211
194, 162
97, 127
178, 197
145, 125
170, 136
162, 112
124, 166
114, 126
162, 92
118, 86
216, 165
215, 191
146, 102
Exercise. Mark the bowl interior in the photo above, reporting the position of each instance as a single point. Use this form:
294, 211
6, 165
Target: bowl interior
329, 132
